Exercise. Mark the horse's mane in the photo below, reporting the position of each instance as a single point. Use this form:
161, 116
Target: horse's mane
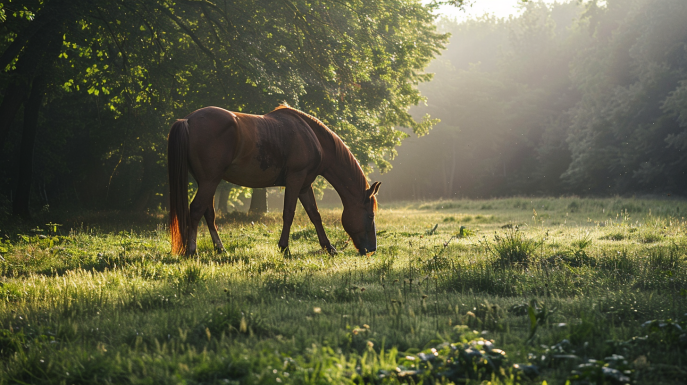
343, 154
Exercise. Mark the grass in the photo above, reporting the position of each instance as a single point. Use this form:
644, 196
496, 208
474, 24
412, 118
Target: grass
510, 291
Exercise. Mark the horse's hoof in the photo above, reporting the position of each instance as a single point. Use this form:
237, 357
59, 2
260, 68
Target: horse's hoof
220, 250
331, 250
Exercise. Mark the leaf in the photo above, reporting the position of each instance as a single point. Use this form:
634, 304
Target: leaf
533, 318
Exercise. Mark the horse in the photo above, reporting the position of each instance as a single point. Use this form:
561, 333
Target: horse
285, 147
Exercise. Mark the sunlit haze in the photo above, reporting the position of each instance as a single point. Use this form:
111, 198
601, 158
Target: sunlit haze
477, 8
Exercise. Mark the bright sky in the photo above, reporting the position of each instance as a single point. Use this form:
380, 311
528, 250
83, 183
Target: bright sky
499, 8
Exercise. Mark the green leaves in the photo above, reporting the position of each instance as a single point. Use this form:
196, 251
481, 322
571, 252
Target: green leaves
538, 315
127, 69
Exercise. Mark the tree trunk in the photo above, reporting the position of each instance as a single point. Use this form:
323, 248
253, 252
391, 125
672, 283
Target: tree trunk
15, 95
34, 56
258, 203
44, 50
453, 172
33, 40
223, 198
20, 206
147, 182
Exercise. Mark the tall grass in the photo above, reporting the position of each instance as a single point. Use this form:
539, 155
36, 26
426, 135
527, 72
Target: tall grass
96, 306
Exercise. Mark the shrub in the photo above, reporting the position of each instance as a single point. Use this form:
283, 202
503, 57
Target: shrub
512, 249
617, 236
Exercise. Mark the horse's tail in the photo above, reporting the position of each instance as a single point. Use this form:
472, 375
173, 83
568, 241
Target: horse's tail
177, 167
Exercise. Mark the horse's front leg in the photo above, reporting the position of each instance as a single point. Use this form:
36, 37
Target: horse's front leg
307, 197
294, 184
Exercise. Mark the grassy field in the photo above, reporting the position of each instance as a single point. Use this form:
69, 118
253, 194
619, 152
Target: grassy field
513, 290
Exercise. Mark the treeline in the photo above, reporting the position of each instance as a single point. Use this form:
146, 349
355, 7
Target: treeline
587, 99
89, 88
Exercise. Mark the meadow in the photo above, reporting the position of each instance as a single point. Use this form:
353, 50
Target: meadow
518, 290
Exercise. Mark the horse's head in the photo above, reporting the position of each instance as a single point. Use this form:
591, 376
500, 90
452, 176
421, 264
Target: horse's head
359, 221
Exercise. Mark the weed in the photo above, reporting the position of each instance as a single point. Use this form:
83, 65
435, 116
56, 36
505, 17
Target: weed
539, 315
464, 232
383, 266
627, 206
191, 274
650, 237
574, 207
109, 303
615, 236
512, 249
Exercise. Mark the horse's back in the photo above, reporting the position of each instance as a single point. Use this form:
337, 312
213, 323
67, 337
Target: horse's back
250, 150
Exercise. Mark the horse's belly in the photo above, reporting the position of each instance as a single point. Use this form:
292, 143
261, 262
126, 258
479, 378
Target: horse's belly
255, 177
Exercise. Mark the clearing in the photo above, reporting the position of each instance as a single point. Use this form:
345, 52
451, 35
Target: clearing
517, 290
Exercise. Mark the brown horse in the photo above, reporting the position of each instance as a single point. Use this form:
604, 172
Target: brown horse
287, 148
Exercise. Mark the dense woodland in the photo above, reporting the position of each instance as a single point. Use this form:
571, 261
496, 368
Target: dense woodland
578, 98
90, 88
567, 99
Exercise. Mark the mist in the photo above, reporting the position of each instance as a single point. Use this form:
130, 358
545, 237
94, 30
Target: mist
564, 99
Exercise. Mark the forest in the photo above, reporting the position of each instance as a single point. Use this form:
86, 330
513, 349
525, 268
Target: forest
569, 98
90, 88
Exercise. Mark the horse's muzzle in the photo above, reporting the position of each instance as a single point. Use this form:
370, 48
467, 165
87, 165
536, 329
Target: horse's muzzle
365, 251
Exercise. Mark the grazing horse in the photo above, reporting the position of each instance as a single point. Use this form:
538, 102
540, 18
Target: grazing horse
286, 148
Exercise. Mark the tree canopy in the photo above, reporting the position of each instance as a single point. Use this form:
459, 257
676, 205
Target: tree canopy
567, 98
106, 78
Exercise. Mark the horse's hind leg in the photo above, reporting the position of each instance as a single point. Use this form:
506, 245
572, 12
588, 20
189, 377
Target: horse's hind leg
200, 205
210, 220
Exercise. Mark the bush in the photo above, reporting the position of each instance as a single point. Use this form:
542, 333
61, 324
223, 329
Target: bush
512, 249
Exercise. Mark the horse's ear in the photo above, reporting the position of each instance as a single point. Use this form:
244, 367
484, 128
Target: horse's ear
373, 190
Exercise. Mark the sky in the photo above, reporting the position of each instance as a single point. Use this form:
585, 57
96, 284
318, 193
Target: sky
499, 8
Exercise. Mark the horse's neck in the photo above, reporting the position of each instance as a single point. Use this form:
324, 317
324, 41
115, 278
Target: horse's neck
347, 179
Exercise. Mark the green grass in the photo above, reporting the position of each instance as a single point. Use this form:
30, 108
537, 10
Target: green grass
567, 285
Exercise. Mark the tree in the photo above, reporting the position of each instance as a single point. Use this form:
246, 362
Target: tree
623, 134
566, 98
501, 90
142, 63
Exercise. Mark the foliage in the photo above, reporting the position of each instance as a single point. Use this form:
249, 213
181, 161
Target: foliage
538, 315
127, 69
512, 249
612, 370
577, 97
